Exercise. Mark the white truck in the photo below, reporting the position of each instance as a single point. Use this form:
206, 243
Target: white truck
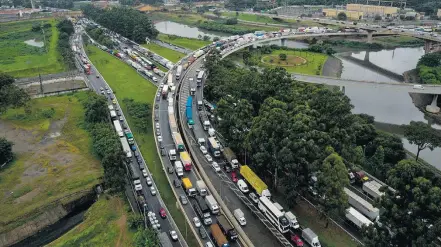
362, 205
204, 120
118, 128
357, 218
240, 217
201, 188
126, 147
179, 168
211, 132
212, 204
231, 158
293, 223
372, 188
310, 237
112, 114
110, 107
172, 154
201, 141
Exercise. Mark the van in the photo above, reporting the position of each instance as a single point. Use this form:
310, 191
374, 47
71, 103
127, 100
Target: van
242, 186
240, 217
418, 86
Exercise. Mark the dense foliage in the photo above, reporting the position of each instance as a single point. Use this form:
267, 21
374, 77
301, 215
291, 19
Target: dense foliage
422, 135
6, 153
140, 113
99, 36
429, 68
10, 94
222, 27
65, 29
105, 142
62, 4
128, 22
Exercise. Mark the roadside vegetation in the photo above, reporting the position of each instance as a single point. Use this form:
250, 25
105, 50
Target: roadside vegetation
189, 43
66, 29
170, 54
380, 43
429, 68
24, 60
126, 83
297, 130
53, 158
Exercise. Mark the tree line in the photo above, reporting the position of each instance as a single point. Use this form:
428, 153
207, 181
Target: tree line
290, 131
429, 68
140, 113
105, 142
127, 22
65, 29
99, 36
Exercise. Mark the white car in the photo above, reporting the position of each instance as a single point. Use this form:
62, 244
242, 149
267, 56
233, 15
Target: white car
254, 198
174, 235
138, 186
197, 222
157, 125
159, 138
153, 191
144, 173
216, 166
418, 87
191, 79
203, 149
208, 157
108, 91
148, 180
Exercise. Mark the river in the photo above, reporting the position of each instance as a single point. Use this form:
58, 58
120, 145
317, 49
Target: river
388, 107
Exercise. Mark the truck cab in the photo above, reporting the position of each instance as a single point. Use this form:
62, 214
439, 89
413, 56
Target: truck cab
186, 183
172, 154
179, 169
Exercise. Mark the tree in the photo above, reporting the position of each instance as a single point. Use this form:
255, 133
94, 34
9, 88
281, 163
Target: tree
113, 164
377, 18
342, 16
140, 113
215, 39
430, 60
331, 180
206, 38
282, 56
422, 135
231, 21
146, 238
6, 153
96, 109
11, 95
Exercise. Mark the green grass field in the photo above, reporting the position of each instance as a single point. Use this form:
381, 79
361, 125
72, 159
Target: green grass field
126, 83
105, 224
314, 61
54, 157
21, 60
251, 17
171, 55
192, 44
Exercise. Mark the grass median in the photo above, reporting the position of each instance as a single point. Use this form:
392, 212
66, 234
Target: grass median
126, 83
170, 54
191, 44
302, 62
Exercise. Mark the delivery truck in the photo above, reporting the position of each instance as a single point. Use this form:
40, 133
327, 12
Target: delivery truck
186, 161
310, 237
231, 158
240, 217
255, 182
218, 236
212, 204
227, 229
179, 169
201, 188
186, 183
357, 218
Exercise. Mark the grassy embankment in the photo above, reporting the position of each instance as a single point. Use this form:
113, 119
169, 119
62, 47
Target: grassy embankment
54, 158
105, 224
21, 60
302, 62
250, 17
171, 55
191, 44
126, 83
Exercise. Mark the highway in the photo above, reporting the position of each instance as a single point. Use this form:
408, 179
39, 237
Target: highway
154, 202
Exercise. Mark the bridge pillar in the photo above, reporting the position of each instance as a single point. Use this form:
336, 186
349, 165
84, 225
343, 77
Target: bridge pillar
366, 56
433, 108
369, 36
431, 46
283, 42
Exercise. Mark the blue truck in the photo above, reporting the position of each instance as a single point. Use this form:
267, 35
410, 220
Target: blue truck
189, 111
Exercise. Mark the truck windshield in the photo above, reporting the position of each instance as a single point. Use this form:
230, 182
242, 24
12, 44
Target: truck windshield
284, 221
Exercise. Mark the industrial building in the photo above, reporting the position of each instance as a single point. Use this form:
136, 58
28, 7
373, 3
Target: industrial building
299, 10
373, 10
351, 15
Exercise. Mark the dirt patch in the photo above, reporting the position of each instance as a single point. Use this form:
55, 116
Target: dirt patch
28, 196
291, 61
333, 67
23, 139
122, 225
60, 86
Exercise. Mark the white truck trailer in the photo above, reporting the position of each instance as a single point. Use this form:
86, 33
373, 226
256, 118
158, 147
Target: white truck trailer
212, 204
126, 147
362, 205
357, 218
310, 237
118, 128
372, 188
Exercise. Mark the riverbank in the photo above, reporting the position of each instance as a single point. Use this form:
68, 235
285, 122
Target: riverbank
189, 43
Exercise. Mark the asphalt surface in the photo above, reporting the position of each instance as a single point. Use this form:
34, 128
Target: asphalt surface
154, 202
255, 230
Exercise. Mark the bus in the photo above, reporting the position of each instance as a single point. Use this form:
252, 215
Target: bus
273, 214
164, 240
178, 72
199, 78
170, 79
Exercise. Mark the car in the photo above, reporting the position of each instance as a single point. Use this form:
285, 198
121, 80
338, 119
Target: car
114, 101
296, 240
152, 191
124, 125
101, 89
148, 181
174, 235
159, 138
156, 106
203, 149
121, 118
138, 186
163, 152
183, 199
162, 213
234, 177
216, 166
136, 153
161, 85
97, 76
170, 169
157, 125
208, 157
227, 168
418, 86
108, 91
144, 173
203, 233
158, 131
208, 244
177, 183
196, 222
254, 197
133, 148
102, 92
118, 113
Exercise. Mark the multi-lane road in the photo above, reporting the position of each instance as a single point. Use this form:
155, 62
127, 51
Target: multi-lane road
154, 202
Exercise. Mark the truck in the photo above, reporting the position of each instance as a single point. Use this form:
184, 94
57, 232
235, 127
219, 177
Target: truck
202, 210
201, 188
362, 205
189, 111
231, 158
211, 132
164, 240
186, 183
170, 79
165, 91
213, 147
110, 107
113, 114
255, 182
179, 169
185, 158
218, 237
212, 204
226, 228
357, 218
199, 78
126, 147
177, 138
310, 237
178, 72
200, 105
240, 217
118, 128
204, 120
372, 188
172, 154
130, 138
293, 223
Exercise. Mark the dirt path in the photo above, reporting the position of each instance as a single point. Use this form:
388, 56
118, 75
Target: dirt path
122, 225
332, 67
